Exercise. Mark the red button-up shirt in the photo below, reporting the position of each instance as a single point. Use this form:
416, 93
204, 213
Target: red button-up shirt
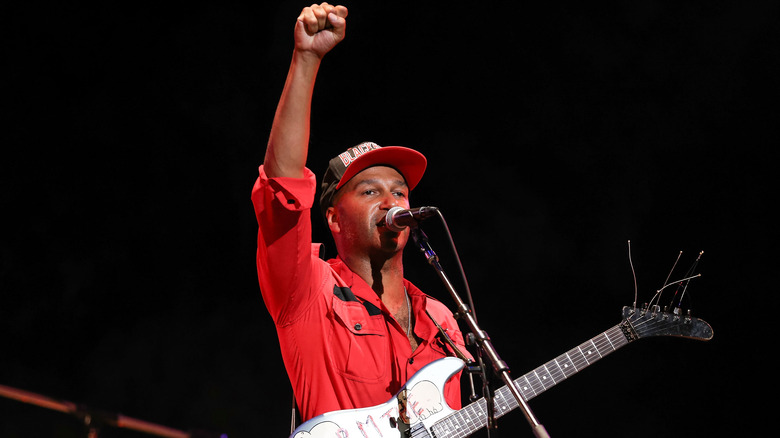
341, 346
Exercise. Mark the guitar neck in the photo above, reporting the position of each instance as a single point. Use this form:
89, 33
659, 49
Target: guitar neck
474, 416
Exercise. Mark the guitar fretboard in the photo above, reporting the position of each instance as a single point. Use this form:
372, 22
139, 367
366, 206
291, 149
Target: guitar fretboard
473, 417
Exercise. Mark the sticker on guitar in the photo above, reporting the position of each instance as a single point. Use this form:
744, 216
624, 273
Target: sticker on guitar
418, 400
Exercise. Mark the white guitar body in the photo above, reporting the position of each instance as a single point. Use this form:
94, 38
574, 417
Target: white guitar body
419, 404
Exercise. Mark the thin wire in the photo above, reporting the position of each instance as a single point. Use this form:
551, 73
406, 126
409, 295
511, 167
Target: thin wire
670, 274
408, 314
633, 272
679, 303
680, 281
460, 265
673, 266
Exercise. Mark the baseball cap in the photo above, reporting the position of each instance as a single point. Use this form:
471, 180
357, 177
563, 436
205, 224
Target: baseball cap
408, 162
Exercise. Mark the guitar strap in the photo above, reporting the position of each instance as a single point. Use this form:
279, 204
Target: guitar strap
294, 421
448, 340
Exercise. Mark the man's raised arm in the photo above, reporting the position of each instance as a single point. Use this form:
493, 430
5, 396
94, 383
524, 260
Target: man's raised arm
318, 29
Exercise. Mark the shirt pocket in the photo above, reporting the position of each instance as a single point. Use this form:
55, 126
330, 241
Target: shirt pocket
359, 343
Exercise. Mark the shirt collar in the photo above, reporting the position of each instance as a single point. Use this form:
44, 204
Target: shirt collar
361, 289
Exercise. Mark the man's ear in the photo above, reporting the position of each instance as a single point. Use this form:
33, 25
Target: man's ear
332, 218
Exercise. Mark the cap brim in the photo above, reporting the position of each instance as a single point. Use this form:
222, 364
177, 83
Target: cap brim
410, 163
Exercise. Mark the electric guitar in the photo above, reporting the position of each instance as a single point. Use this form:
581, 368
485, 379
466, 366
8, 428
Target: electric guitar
419, 410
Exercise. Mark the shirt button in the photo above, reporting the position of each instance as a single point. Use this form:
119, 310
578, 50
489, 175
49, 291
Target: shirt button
358, 326
411, 360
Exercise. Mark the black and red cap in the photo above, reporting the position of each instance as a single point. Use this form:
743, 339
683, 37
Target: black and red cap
408, 162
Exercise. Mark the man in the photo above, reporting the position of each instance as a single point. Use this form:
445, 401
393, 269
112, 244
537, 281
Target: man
352, 330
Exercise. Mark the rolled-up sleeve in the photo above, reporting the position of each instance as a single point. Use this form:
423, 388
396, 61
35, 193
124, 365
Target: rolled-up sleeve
284, 256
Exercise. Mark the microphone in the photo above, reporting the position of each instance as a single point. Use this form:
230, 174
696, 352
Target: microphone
399, 218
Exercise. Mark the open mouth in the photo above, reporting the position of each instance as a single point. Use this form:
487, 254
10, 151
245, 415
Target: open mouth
382, 221
382, 224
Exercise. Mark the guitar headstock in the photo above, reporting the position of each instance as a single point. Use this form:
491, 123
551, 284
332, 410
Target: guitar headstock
646, 322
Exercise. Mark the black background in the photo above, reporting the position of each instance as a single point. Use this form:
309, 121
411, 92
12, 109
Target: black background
555, 133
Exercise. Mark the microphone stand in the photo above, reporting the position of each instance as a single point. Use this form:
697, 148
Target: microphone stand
500, 367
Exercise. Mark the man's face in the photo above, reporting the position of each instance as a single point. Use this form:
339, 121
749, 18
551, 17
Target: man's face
357, 218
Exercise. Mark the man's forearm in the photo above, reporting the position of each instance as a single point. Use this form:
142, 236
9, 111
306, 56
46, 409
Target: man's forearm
288, 143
